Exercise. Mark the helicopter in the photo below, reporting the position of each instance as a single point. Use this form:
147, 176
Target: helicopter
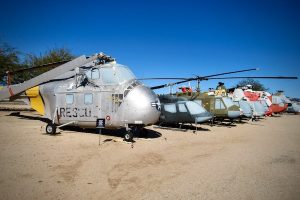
293, 108
175, 110
257, 105
221, 106
85, 90
218, 102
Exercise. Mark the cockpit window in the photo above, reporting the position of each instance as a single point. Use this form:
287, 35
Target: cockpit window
109, 76
115, 75
219, 104
170, 108
124, 74
194, 108
276, 100
182, 107
93, 74
228, 102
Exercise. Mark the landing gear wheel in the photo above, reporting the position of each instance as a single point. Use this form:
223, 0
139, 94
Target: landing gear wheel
51, 129
128, 137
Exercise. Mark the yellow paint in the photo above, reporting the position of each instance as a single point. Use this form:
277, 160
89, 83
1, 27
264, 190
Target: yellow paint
220, 92
36, 101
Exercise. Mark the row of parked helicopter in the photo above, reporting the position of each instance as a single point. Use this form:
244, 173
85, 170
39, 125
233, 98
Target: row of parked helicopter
79, 92
220, 104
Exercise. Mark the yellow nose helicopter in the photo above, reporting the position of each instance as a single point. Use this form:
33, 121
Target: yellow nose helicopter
86, 89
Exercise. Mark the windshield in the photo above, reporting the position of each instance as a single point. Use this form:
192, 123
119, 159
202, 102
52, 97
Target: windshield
194, 108
124, 74
228, 102
111, 75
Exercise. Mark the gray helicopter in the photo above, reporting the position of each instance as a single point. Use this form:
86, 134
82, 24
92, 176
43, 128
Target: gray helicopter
179, 110
88, 89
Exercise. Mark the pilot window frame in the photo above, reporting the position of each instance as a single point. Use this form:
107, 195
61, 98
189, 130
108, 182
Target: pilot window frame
68, 97
85, 99
219, 105
182, 108
93, 73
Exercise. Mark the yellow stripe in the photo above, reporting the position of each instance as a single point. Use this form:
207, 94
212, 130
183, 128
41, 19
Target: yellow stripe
36, 101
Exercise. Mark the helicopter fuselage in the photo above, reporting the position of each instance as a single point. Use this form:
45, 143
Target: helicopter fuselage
109, 91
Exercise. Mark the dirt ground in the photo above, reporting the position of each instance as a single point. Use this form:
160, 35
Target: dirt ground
259, 160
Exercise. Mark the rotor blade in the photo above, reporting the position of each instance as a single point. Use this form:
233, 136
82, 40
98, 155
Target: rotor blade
161, 78
200, 78
196, 77
54, 64
257, 77
171, 84
233, 72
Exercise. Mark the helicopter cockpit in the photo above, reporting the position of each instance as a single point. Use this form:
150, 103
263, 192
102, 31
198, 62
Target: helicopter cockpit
110, 74
228, 101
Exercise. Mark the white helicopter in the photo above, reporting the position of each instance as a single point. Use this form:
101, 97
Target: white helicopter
85, 89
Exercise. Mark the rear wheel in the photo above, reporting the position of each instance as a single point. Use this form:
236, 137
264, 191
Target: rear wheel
51, 128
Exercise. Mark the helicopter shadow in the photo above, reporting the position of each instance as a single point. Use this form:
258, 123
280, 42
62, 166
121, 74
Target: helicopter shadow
181, 127
150, 134
28, 117
224, 124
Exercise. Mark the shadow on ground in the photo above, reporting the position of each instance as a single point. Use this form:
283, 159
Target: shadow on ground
150, 134
181, 127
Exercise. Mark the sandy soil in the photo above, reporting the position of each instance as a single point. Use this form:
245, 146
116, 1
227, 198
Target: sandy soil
259, 160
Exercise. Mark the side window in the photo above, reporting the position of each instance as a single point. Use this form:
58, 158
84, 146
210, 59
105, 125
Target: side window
69, 99
170, 108
182, 108
219, 104
95, 74
88, 98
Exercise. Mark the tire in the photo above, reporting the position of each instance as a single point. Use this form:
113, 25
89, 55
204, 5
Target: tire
128, 137
51, 129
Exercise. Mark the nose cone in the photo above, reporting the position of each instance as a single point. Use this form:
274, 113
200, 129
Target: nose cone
141, 106
203, 117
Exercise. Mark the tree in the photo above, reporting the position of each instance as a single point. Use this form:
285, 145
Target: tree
256, 85
50, 56
9, 59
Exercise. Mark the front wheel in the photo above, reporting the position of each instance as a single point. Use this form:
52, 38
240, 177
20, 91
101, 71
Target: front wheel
51, 128
128, 137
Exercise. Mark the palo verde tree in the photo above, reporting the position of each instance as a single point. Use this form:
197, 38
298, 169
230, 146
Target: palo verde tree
256, 85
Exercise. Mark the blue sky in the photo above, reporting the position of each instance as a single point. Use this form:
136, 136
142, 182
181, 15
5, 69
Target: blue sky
167, 38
